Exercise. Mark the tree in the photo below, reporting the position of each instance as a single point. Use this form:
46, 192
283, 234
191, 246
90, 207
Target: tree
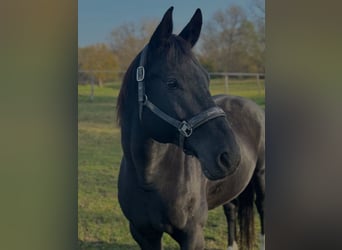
127, 40
95, 60
259, 19
231, 43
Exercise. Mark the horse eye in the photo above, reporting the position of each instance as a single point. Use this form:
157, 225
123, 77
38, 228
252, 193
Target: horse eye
172, 83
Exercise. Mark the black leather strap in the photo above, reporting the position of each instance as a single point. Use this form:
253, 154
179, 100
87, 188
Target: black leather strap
206, 116
140, 77
185, 128
161, 114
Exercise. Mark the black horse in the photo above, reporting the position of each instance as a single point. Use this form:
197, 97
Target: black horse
184, 151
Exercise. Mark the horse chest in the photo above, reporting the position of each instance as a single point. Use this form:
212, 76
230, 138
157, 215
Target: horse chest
175, 204
175, 213
172, 204
163, 211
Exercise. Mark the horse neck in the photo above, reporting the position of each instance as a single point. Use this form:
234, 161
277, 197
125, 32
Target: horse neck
155, 164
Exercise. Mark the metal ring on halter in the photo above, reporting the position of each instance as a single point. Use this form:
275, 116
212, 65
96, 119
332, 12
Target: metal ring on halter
185, 129
140, 73
145, 100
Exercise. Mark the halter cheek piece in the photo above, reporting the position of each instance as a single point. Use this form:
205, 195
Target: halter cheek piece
185, 128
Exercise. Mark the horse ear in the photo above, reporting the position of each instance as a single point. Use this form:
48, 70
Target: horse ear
164, 29
192, 30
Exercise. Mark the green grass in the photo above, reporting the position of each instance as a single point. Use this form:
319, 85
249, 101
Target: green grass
245, 88
101, 224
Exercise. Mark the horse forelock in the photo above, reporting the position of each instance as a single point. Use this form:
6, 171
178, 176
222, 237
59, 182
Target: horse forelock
178, 49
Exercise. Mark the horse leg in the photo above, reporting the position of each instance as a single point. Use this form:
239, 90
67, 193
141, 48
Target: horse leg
230, 213
192, 239
147, 239
260, 198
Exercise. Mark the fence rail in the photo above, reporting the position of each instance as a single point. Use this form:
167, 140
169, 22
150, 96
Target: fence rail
90, 77
235, 74
227, 74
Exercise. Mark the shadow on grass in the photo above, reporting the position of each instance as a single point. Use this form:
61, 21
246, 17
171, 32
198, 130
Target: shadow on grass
100, 245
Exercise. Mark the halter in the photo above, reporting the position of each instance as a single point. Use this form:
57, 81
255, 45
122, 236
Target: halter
185, 128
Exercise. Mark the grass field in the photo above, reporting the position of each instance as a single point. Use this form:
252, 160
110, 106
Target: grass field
101, 224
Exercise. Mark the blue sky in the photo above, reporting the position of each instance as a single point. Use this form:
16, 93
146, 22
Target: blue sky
97, 18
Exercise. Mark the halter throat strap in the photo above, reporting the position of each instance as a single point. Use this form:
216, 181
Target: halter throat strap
185, 127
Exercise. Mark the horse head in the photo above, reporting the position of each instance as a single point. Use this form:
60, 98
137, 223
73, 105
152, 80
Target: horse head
175, 105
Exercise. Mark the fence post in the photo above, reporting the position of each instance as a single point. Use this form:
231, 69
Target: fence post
91, 97
226, 83
258, 83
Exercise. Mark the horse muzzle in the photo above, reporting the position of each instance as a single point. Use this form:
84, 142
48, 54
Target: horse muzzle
226, 164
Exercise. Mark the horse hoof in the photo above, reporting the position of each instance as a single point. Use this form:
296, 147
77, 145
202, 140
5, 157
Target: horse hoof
262, 242
233, 247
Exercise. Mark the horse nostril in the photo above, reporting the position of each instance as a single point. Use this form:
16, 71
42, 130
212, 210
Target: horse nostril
224, 160
228, 161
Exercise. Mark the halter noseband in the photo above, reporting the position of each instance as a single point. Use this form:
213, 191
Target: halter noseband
185, 128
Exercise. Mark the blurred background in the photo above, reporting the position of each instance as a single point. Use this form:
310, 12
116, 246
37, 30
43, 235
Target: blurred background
42, 186
111, 34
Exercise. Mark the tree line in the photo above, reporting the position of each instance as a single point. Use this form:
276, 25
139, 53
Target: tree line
232, 41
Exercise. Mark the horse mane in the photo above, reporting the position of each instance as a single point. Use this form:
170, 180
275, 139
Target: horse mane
176, 48
124, 90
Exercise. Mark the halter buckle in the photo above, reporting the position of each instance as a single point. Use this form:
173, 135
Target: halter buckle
185, 129
140, 73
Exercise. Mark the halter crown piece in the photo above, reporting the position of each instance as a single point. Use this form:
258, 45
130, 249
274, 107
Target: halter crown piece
185, 128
